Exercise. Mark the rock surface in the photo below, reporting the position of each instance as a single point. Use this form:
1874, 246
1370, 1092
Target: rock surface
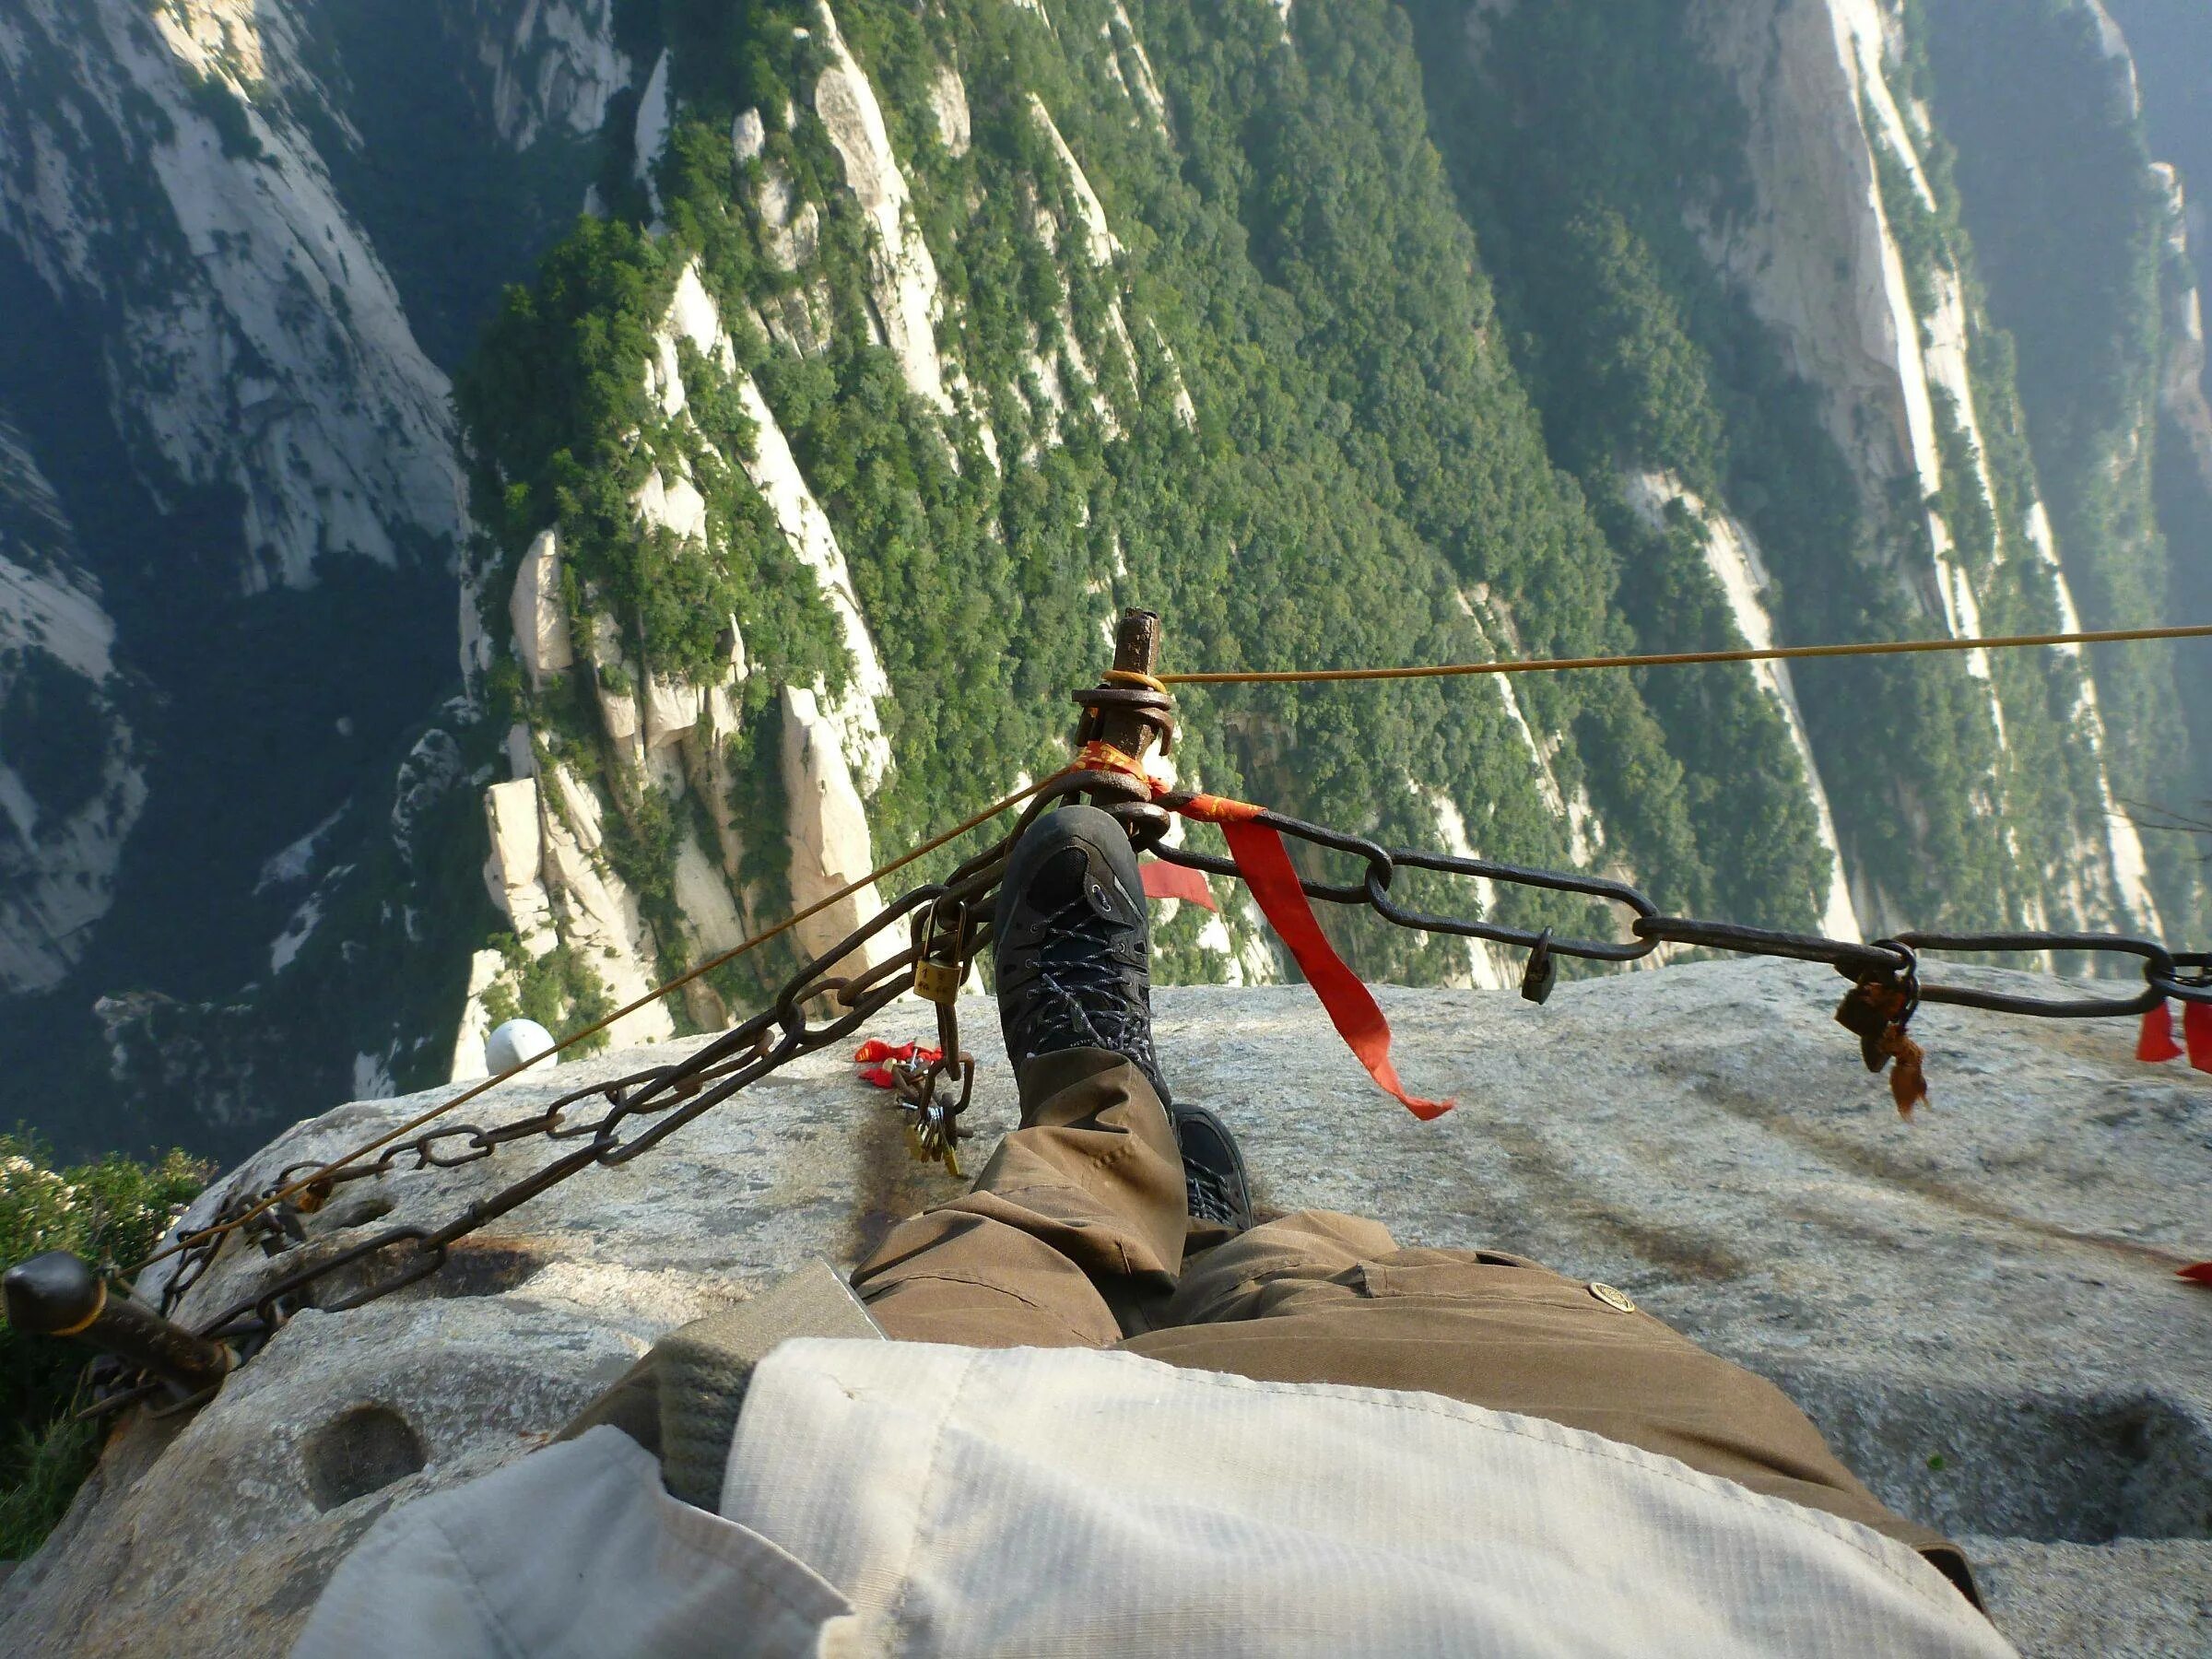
1978, 1306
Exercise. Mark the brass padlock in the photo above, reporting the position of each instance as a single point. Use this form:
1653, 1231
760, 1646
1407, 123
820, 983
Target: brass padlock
938, 981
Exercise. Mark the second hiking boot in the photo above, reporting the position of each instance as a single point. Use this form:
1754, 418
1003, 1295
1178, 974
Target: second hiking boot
1072, 947
1213, 1170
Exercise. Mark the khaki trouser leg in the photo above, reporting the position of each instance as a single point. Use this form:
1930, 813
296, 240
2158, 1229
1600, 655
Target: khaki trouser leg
1075, 1223
1075, 1236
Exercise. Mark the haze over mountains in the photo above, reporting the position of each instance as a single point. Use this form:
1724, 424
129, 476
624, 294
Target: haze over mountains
380, 655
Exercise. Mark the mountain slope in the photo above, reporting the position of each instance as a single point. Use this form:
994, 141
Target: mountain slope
1241, 360
899, 347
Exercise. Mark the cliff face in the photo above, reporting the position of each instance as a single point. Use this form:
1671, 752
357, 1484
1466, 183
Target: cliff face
68, 785
900, 349
227, 233
1978, 1307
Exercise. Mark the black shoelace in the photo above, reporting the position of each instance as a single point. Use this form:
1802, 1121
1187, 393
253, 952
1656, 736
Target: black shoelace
1083, 990
1209, 1196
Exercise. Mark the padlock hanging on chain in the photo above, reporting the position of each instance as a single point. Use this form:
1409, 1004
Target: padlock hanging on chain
941, 954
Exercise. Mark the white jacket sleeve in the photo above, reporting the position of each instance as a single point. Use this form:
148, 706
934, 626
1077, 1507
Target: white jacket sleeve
574, 1550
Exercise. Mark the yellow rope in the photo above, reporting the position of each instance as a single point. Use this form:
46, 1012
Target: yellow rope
187, 1240
1672, 659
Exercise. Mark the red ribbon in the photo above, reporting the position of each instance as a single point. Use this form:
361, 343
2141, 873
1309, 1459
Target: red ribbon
2199, 1273
872, 1053
1163, 881
2156, 1045
1265, 863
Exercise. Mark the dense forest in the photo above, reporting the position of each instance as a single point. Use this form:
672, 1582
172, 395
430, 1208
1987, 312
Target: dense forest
1440, 298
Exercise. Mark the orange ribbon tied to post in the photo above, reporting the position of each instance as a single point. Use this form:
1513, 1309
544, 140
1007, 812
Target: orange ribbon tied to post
1265, 863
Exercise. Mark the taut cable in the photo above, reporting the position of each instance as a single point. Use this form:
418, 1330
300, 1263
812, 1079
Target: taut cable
1678, 659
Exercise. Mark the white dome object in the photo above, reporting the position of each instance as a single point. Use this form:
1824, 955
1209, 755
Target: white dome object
514, 1043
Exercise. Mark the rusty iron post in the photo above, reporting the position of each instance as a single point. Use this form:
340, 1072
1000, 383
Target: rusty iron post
58, 1294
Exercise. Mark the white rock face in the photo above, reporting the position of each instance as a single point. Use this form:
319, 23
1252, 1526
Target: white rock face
704, 898
555, 68
484, 969
828, 833
949, 103
271, 356
656, 114
1493, 623
904, 276
1098, 240
1186, 411
540, 619
1135, 69
1821, 265
1489, 967
2181, 387
775, 472
57, 873
1978, 1308
512, 813
748, 135
673, 505
597, 914
1732, 556
792, 227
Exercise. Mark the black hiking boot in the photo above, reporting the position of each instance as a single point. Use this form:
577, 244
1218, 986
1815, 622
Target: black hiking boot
1072, 950
1213, 1170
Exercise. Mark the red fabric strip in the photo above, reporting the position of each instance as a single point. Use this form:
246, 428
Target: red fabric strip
2196, 1031
2199, 1272
2156, 1045
870, 1055
1265, 863
1164, 880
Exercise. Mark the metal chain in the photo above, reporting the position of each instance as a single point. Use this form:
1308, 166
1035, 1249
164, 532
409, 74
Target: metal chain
2185, 976
949, 925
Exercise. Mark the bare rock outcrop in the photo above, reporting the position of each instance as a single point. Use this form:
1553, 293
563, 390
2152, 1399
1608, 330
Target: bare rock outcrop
903, 276
512, 813
539, 617
59, 855
1978, 1307
828, 834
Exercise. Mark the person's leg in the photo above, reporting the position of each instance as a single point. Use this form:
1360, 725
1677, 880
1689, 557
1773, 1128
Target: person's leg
1080, 1215
1325, 1298
1076, 1221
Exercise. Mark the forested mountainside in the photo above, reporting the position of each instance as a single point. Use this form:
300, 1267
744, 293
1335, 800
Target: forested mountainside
900, 345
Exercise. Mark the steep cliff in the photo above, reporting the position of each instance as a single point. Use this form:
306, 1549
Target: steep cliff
68, 785
901, 346
227, 233
1730, 252
1731, 240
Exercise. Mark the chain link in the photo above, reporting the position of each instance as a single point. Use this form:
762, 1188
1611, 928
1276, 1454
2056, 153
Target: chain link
950, 927
2187, 976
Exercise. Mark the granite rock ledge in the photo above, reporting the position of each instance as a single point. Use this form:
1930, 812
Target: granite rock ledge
1978, 1306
